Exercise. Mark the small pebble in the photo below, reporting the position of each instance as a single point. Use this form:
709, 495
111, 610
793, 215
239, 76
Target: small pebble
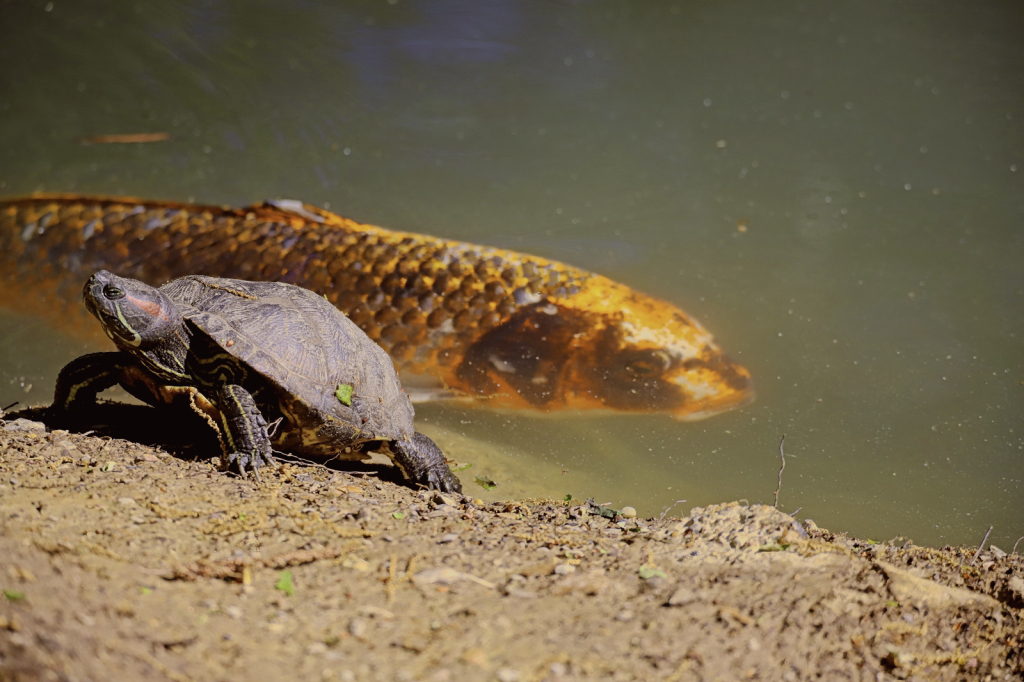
564, 569
448, 537
22, 424
126, 501
507, 675
628, 512
357, 628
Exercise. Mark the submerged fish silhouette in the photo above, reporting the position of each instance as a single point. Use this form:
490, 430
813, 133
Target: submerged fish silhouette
518, 330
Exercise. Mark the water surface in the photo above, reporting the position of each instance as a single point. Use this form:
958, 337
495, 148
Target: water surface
836, 191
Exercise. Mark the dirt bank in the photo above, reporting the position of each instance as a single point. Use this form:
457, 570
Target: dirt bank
126, 561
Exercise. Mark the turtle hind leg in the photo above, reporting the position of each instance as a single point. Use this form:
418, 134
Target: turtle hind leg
246, 444
424, 464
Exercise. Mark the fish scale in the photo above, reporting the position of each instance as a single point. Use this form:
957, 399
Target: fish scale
519, 330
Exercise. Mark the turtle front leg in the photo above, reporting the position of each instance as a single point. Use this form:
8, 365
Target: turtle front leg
424, 464
246, 443
82, 379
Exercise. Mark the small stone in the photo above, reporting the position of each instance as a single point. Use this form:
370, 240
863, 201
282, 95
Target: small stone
441, 498
564, 569
126, 501
507, 675
558, 669
69, 450
26, 425
357, 628
1016, 585
996, 552
233, 612
628, 512
316, 648
754, 644
449, 537
624, 615
475, 657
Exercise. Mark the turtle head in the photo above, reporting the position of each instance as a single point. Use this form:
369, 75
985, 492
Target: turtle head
134, 315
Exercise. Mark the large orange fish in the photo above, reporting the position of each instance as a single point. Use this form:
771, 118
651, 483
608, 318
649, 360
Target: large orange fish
517, 330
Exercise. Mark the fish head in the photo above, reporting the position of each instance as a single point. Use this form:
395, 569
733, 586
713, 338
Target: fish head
605, 347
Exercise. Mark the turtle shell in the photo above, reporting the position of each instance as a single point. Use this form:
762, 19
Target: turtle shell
299, 356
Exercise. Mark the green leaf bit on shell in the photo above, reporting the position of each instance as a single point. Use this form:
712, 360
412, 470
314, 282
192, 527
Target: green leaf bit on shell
344, 394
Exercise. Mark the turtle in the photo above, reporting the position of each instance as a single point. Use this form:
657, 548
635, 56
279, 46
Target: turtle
246, 354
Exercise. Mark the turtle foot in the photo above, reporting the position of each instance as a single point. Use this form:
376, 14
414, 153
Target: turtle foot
243, 463
424, 464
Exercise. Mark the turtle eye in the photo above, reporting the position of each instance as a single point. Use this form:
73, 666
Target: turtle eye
112, 292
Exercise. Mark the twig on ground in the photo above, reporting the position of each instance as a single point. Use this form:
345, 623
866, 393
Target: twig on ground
782, 455
9, 406
795, 511
668, 509
232, 568
982, 545
295, 459
1014, 550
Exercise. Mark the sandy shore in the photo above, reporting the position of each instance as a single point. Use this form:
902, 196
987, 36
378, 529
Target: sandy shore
120, 560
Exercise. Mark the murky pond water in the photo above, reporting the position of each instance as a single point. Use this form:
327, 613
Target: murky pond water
836, 190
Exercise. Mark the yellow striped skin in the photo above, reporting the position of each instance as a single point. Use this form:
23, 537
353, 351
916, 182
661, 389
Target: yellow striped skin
518, 330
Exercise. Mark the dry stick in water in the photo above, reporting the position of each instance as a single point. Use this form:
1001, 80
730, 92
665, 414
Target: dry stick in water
982, 545
783, 456
669, 508
1014, 550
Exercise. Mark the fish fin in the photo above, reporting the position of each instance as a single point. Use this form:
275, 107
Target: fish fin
297, 207
423, 394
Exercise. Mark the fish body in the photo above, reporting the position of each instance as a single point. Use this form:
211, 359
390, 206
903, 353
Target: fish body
517, 330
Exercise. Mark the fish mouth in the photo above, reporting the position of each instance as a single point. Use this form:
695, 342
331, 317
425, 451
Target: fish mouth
710, 385
697, 411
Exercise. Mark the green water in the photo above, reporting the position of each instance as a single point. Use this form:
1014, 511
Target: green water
835, 189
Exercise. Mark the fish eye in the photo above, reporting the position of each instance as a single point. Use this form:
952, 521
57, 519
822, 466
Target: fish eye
112, 292
643, 368
650, 365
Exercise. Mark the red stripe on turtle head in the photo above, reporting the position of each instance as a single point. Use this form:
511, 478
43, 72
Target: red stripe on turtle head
151, 308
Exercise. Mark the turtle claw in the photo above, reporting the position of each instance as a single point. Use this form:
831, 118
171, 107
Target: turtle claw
244, 462
424, 464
